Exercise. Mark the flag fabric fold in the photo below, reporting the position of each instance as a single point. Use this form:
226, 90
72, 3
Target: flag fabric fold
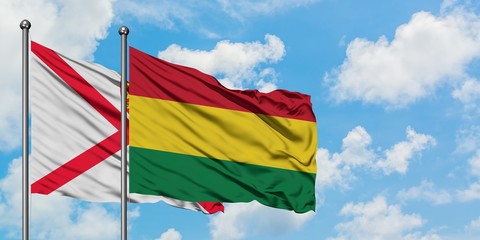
75, 131
193, 139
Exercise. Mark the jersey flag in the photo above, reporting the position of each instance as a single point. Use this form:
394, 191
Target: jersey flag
195, 140
75, 131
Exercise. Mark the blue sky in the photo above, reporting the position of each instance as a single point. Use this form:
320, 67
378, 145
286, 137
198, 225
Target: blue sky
395, 88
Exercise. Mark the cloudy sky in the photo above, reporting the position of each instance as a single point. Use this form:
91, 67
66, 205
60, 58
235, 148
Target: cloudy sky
395, 87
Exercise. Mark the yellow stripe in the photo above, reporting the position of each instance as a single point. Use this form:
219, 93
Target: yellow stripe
223, 134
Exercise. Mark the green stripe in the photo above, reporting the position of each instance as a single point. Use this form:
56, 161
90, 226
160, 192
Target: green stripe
200, 179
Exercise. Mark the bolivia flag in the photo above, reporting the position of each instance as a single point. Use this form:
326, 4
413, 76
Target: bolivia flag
194, 140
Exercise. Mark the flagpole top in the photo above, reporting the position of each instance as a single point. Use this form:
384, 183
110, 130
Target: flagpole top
123, 30
25, 24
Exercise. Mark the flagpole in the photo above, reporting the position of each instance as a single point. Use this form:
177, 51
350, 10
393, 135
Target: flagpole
123, 31
25, 26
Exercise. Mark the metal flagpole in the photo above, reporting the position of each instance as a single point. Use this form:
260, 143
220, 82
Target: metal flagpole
25, 26
123, 31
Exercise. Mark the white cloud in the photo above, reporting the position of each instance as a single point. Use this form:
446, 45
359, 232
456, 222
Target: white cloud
411, 66
170, 234
448, 5
134, 213
332, 171
398, 157
243, 219
468, 140
473, 226
235, 64
197, 15
420, 236
470, 194
468, 94
91, 222
474, 163
243, 9
471, 231
11, 195
52, 217
58, 24
355, 150
337, 168
377, 220
425, 191
164, 13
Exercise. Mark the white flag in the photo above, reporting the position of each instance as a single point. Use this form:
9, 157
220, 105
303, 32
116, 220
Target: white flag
76, 131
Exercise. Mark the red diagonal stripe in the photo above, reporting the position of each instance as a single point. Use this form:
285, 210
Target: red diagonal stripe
78, 83
77, 165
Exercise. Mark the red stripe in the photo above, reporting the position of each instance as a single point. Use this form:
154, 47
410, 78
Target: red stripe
77, 165
212, 207
155, 78
78, 83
